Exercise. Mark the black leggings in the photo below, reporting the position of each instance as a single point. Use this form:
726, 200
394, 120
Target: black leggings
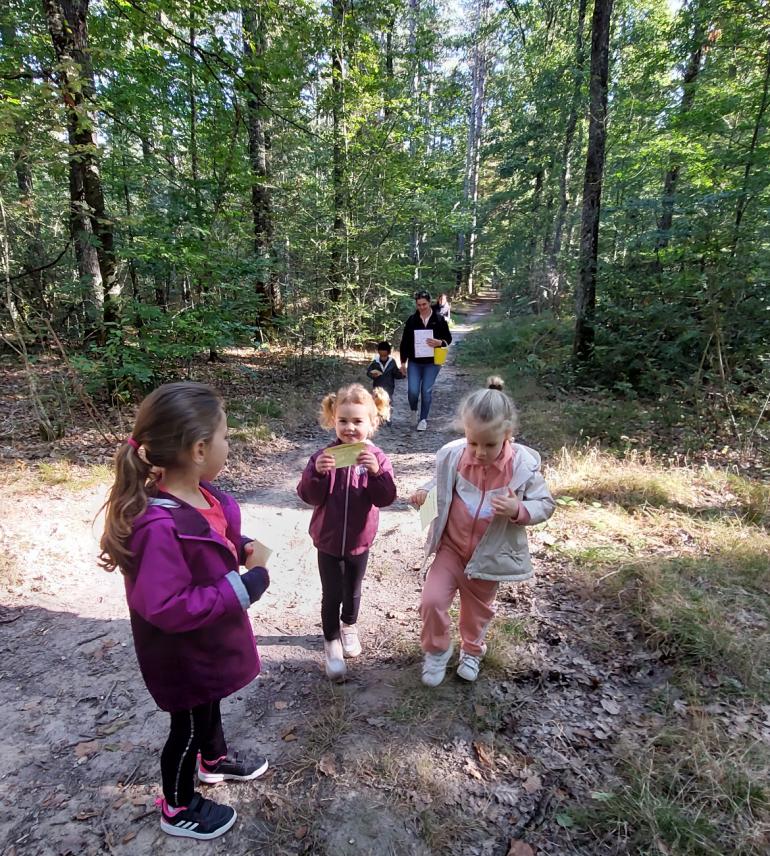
341, 581
192, 731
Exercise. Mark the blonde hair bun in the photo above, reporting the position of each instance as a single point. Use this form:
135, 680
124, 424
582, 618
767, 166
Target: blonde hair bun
490, 406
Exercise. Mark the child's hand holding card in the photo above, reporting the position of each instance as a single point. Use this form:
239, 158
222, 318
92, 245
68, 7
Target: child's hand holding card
257, 555
346, 454
429, 508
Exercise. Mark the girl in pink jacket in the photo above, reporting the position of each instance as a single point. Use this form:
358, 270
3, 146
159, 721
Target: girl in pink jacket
487, 490
179, 545
346, 501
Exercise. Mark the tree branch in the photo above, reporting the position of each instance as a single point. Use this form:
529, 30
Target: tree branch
30, 271
204, 54
511, 4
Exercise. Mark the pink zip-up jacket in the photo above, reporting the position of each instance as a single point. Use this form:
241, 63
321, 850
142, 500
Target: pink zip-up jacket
494, 547
192, 635
346, 504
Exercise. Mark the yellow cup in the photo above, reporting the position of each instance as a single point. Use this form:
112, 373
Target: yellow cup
439, 356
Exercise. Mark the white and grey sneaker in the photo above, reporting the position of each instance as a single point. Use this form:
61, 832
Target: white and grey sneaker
422, 425
333, 660
468, 667
351, 644
434, 667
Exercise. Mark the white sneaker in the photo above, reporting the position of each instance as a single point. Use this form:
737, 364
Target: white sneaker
415, 417
334, 662
351, 644
422, 425
468, 667
434, 667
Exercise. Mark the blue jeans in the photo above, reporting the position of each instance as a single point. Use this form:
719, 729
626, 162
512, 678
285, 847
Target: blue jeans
420, 378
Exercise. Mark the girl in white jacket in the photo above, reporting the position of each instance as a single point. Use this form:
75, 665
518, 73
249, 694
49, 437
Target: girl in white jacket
488, 490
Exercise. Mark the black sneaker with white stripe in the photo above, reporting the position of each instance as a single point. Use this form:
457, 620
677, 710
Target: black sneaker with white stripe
234, 769
203, 819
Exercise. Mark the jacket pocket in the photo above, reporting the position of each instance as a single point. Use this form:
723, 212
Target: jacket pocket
511, 560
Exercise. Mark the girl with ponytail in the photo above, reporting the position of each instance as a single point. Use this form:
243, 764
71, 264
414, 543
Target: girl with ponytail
177, 540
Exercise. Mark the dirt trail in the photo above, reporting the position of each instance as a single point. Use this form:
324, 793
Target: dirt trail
376, 766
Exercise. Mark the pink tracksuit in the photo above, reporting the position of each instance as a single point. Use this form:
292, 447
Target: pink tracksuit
469, 516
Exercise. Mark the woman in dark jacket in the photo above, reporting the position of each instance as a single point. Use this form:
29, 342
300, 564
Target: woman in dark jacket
424, 331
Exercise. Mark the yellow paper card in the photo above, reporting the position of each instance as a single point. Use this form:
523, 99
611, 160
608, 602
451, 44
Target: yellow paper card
261, 552
345, 455
429, 508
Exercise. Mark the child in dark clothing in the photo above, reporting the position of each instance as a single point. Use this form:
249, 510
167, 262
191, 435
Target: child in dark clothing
383, 369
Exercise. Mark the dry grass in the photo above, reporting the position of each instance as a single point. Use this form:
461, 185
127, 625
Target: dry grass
418, 704
324, 731
503, 645
417, 786
694, 789
685, 551
22, 479
639, 481
11, 572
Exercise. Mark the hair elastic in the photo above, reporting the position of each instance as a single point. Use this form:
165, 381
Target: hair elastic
133, 444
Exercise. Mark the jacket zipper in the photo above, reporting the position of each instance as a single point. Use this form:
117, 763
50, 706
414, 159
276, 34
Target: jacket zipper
345, 524
481, 503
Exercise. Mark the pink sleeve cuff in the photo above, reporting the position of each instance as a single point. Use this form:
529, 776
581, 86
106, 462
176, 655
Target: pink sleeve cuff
522, 516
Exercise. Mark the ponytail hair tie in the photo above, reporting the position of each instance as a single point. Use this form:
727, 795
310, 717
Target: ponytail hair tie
132, 443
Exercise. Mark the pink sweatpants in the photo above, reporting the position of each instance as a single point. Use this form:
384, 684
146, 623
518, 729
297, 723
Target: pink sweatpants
477, 605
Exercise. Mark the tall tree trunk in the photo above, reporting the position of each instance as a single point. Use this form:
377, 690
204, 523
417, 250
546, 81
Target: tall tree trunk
194, 168
254, 46
34, 251
414, 93
470, 246
585, 298
46, 427
89, 222
339, 200
552, 262
532, 256
389, 69
466, 241
130, 230
200, 284
671, 178
154, 187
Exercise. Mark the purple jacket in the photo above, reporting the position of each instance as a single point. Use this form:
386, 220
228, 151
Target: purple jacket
192, 634
347, 502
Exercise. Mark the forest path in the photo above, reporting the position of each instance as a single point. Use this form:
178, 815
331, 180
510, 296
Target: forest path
379, 765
